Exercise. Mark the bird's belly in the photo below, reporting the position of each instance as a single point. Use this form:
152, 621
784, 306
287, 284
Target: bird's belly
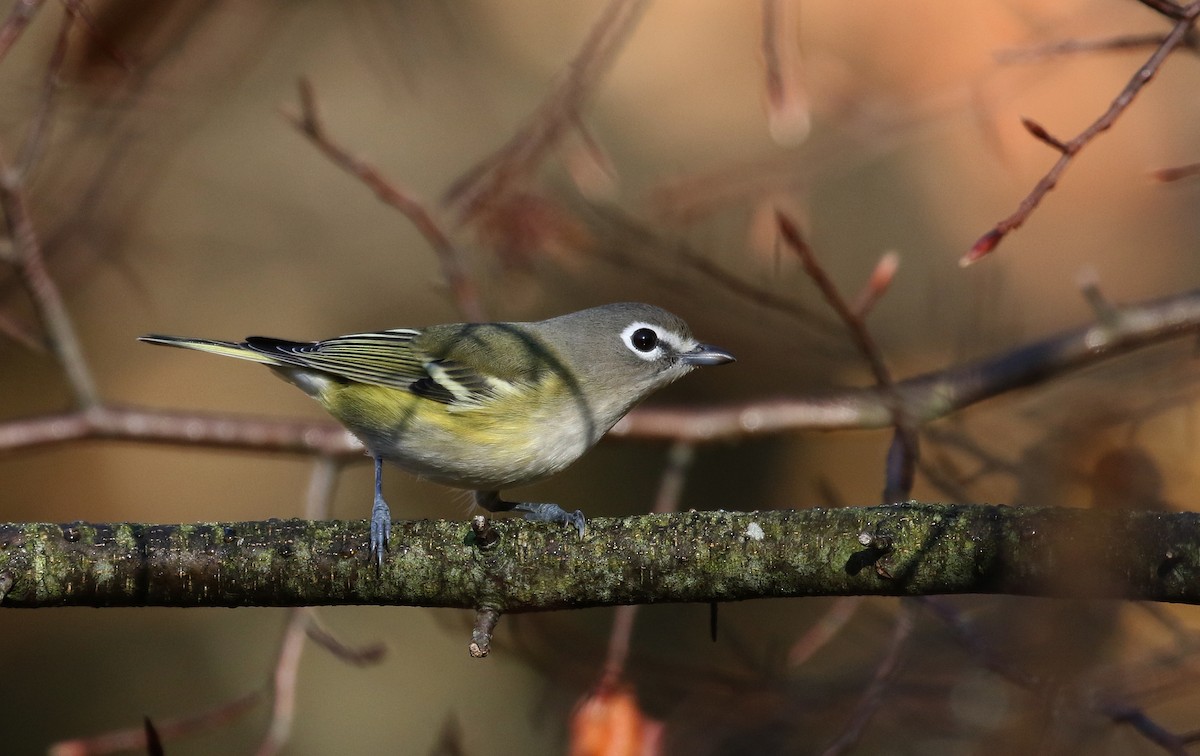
491, 458
484, 449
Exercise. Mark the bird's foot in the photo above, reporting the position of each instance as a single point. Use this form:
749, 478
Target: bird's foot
381, 528
553, 513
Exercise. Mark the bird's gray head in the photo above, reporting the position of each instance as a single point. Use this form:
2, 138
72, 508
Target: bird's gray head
629, 349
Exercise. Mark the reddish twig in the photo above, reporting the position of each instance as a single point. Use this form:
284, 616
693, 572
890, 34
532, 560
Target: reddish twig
1074, 46
787, 107
905, 450
1177, 173
360, 656
877, 285
854, 323
135, 738
19, 17
988, 242
1039, 132
525, 150
453, 263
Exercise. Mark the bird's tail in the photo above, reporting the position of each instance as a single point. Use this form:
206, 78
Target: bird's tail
224, 348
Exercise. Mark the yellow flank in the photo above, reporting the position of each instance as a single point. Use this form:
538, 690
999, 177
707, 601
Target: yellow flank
487, 445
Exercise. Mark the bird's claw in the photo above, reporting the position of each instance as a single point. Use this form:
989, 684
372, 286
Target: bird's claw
553, 513
381, 529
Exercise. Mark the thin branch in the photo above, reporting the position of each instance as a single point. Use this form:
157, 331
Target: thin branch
18, 18
358, 656
525, 150
183, 428
933, 395
1168, 8
1176, 173
455, 270
928, 397
872, 697
788, 113
1148, 728
283, 683
824, 630
1074, 46
135, 738
39, 128
1178, 34
904, 452
854, 324
51, 309
877, 285
670, 491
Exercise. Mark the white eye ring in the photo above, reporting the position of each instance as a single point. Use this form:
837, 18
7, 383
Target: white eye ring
636, 340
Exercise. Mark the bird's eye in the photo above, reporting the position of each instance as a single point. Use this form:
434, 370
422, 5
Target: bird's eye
644, 339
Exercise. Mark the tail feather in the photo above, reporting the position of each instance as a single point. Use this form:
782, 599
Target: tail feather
224, 348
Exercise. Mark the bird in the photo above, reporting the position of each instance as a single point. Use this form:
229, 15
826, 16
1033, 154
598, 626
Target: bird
482, 406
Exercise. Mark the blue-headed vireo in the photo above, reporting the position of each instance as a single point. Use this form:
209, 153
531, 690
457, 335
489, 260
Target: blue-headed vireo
483, 406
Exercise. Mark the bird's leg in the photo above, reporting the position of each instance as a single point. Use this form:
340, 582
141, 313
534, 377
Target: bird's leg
381, 517
491, 501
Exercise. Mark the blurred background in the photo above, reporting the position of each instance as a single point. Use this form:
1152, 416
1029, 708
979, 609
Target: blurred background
173, 196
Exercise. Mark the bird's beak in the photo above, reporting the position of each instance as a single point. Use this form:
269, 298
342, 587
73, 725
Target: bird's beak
705, 354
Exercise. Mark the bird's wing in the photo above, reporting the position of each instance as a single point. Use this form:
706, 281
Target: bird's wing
383, 358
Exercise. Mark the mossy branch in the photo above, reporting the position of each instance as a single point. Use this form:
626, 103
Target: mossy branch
900, 550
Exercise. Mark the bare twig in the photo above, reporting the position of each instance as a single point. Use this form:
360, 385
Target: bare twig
321, 484
134, 738
1074, 46
876, 286
928, 396
824, 630
283, 682
988, 242
787, 106
359, 656
39, 128
189, 429
872, 697
31, 267
19, 17
453, 263
481, 634
525, 150
1168, 8
1176, 173
1039, 132
905, 450
854, 324
670, 491
1148, 728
